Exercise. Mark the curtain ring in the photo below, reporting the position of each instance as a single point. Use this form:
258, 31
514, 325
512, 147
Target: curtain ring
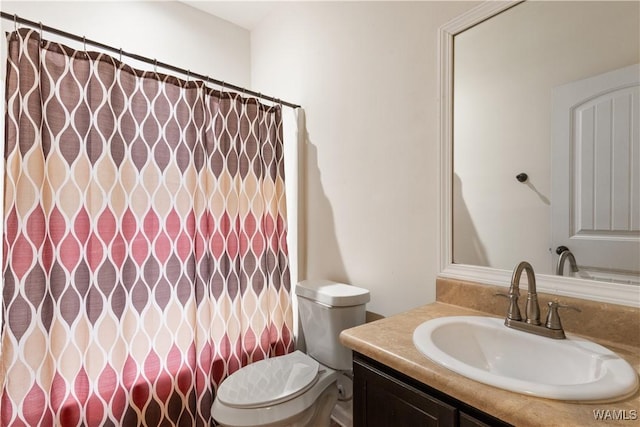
120, 54
155, 65
188, 75
84, 45
15, 25
41, 35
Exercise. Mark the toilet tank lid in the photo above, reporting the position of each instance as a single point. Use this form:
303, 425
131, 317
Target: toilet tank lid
332, 293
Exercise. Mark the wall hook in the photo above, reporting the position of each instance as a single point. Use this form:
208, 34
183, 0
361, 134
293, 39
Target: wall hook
522, 177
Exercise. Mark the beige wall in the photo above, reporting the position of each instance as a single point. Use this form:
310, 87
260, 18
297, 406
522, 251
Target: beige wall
366, 74
502, 126
170, 32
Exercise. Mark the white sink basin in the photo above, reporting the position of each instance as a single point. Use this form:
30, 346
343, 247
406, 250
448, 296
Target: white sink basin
483, 349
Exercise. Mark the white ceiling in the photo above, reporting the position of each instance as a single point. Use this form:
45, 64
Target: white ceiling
246, 14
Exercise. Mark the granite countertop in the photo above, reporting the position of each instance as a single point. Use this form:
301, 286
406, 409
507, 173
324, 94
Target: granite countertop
389, 341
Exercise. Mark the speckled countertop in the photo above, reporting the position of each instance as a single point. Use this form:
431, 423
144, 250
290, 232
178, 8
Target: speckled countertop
389, 341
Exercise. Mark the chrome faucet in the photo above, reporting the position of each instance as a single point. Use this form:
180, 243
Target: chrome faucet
565, 254
552, 327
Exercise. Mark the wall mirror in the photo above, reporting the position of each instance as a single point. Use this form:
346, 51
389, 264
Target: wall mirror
510, 75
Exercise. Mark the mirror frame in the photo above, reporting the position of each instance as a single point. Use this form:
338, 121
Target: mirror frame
614, 293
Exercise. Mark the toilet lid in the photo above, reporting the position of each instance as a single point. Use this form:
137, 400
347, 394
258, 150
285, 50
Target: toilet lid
269, 381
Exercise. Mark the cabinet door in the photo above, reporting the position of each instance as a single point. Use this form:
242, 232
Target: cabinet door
467, 420
382, 401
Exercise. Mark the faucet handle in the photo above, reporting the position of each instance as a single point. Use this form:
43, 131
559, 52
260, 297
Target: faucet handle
514, 310
553, 318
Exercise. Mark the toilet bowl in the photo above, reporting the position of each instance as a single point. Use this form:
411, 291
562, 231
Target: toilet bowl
297, 389
290, 390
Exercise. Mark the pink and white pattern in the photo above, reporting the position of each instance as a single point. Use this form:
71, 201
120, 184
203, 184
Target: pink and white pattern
145, 241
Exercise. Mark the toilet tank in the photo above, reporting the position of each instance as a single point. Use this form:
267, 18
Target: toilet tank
327, 308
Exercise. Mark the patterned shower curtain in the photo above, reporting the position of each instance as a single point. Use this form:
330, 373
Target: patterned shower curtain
144, 241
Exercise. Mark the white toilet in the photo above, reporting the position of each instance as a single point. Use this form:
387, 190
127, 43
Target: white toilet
297, 389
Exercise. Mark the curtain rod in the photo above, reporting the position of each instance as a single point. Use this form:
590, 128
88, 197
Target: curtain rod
38, 25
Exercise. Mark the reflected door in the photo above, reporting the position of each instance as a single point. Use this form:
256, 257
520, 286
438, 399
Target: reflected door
596, 174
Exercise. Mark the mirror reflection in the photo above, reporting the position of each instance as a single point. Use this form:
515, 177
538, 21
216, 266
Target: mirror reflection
546, 140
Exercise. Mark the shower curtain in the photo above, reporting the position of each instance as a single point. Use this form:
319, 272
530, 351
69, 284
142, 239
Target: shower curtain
145, 253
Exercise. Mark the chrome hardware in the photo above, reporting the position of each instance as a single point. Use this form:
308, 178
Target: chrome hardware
552, 327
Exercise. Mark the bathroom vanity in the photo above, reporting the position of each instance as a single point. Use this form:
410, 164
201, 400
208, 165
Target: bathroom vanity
394, 384
385, 397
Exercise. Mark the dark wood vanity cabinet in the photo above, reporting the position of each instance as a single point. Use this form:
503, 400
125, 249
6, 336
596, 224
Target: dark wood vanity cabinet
383, 397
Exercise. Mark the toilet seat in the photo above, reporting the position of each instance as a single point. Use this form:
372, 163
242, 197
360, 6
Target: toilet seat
269, 381
275, 413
